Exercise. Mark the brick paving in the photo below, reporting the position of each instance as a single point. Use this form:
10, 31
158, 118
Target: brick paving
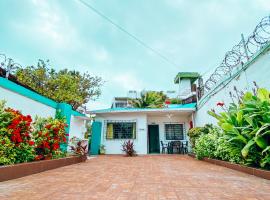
142, 177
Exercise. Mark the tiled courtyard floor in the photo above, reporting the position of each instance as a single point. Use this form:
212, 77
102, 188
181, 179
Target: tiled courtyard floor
142, 177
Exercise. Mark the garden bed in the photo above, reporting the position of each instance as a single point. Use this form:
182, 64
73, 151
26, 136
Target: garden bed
24, 169
249, 170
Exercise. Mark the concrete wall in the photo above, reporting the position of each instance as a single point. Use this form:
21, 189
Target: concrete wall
77, 127
31, 103
258, 70
26, 105
115, 146
184, 88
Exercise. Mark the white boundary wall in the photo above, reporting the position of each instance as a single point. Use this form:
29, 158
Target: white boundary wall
29, 106
26, 105
258, 71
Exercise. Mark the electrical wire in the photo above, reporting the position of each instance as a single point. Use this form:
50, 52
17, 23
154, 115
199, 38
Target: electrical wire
141, 42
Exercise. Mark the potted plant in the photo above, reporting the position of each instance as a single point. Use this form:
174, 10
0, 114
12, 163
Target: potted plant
102, 150
78, 148
128, 148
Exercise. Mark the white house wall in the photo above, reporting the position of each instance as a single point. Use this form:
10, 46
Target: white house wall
77, 127
161, 121
115, 146
258, 71
26, 105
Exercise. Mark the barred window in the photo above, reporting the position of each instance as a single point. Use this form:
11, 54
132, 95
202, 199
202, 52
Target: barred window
121, 130
174, 131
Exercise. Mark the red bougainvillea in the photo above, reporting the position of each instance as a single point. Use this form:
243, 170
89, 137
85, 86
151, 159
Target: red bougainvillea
20, 127
20, 134
49, 134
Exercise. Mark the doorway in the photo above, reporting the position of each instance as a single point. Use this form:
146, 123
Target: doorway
153, 139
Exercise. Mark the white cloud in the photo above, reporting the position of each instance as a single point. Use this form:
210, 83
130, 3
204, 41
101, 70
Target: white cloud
101, 54
50, 26
127, 81
96, 105
263, 4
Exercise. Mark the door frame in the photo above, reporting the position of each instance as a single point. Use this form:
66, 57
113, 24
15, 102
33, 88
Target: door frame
148, 138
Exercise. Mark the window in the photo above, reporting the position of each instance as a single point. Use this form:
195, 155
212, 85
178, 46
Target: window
121, 130
174, 131
121, 104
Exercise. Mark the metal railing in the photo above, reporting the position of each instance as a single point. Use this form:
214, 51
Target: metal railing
240, 53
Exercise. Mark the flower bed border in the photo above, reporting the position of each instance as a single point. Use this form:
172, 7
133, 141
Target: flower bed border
9, 172
248, 170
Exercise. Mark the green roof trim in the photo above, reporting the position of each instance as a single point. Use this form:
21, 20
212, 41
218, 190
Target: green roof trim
76, 113
170, 108
187, 75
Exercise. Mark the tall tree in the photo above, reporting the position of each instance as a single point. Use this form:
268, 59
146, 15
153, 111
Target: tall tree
67, 86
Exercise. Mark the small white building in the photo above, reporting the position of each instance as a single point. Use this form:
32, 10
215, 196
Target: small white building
146, 127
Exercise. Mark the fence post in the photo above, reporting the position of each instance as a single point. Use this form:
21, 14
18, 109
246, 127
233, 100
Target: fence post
245, 47
65, 111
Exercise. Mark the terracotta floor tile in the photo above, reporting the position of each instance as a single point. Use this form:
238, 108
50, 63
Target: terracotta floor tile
152, 177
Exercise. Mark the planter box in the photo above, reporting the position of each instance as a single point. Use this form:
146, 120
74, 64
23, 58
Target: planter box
24, 169
249, 170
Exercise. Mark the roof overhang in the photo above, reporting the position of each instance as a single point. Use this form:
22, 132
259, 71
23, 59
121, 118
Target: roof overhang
183, 108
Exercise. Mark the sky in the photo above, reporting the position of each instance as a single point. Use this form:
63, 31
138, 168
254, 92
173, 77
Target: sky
193, 34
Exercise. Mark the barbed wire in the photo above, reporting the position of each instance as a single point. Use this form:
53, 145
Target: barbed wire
240, 53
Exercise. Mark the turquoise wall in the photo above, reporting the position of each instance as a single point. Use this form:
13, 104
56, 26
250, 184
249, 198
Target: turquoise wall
96, 138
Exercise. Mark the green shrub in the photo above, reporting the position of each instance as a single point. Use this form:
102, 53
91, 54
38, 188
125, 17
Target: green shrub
7, 151
175, 101
246, 128
228, 152
206, 144
194, 133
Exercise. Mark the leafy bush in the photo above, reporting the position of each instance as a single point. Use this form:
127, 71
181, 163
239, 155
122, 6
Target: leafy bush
246, 128
7, 151
175, 101
15, 136
194, 133
227, 151
128, 148
206, 144
49, 133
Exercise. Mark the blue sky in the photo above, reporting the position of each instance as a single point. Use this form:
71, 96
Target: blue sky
193, 34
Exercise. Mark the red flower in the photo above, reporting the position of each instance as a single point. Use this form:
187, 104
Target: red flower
55, 146
220, 104
31, 143
167, 102
67, 134
48, 126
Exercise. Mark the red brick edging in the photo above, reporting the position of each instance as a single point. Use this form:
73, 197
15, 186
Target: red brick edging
24, 169
249, 170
